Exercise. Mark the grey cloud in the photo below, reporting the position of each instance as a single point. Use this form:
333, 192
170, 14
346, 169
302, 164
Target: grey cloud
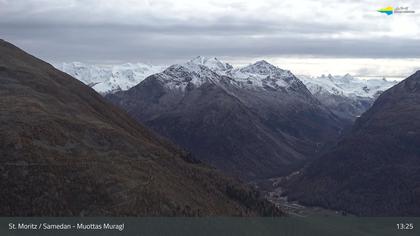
112, 43
226, 25
73, 34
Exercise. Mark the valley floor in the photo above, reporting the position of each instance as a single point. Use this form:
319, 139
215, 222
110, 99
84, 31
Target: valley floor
274, 193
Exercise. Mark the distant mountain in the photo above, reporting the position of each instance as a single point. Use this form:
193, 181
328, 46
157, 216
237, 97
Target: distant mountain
109, 78
254, 122
375, 169
65, 151
346, 96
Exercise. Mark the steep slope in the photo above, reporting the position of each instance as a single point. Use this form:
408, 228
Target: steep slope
255, 122
375, 170
346, 96
109, 79
66, 152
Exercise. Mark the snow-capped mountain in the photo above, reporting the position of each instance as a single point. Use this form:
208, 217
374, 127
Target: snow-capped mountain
234, 118
347, 96
212, 63
193, 73
346, 85
198, 71
262, 74
109, 78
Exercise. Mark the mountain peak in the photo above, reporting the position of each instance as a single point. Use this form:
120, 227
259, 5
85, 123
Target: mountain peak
261, 68
203, 59
195, 72
212, 63
263, 75
264, 64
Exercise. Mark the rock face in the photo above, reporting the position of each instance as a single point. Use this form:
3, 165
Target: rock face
346, 96
254, 122
375, 169
65, 151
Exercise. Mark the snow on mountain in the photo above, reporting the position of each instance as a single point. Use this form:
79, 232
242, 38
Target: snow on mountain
263, 74
346, 85
109, 78
212, 63
192, 73
260, 75
347, 96
112, 78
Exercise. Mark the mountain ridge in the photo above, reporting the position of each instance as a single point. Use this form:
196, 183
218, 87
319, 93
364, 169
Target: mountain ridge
379, 177
346, 96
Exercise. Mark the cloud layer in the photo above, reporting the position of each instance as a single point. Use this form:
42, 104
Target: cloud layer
162, 31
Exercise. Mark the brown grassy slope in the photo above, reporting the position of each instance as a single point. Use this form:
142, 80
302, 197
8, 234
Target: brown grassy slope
64, 151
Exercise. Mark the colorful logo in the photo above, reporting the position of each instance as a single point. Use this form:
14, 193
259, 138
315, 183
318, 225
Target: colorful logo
387, 10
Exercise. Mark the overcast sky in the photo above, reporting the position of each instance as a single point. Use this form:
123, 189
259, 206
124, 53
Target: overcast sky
307, 37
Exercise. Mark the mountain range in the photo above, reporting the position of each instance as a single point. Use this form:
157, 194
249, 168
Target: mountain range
109, 78
347, 96
374, 170
253, 122
66, 151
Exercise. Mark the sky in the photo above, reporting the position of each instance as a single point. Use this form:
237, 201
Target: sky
304, 36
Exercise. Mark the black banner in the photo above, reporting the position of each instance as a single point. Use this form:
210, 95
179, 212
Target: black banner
220, 226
